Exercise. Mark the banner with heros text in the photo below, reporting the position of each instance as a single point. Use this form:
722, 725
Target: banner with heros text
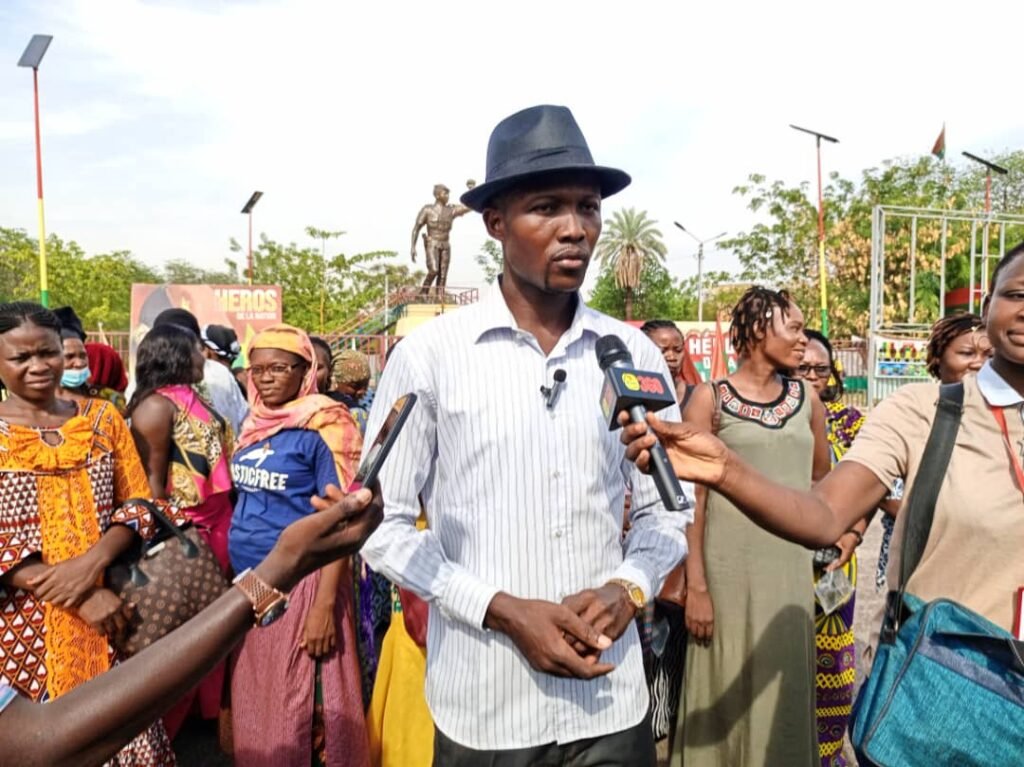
246, 308
700, 338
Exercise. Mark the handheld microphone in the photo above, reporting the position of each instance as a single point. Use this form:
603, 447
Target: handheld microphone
636, 392
551, 393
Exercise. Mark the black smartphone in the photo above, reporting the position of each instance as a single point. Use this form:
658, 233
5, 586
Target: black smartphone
383, 442
826, 556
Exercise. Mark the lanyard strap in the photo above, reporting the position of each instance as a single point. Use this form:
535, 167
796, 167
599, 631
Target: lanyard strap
1000, 416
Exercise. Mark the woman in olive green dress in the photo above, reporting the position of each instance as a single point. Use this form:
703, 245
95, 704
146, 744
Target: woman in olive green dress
748, 700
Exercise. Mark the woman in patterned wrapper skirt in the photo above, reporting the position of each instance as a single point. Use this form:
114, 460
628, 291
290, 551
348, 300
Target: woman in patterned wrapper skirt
833, 630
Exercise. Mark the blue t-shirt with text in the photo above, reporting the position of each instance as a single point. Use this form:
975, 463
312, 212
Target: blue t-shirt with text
275, 479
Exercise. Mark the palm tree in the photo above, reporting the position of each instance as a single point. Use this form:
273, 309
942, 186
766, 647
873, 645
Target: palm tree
629, 238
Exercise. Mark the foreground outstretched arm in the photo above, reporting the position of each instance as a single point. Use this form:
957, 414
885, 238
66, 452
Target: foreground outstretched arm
92, 722
814, 518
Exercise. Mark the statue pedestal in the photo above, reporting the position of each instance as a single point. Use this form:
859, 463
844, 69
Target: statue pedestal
417, 314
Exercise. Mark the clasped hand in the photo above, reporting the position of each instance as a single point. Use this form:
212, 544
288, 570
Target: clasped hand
564, 639
68, 583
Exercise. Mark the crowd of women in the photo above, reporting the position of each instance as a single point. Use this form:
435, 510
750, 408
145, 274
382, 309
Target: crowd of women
750, 645
74, 450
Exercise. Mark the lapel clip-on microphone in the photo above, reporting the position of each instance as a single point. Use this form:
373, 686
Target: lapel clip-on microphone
550, 393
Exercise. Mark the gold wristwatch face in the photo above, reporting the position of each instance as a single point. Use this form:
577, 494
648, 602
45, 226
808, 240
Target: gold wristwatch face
633, 592
636, 596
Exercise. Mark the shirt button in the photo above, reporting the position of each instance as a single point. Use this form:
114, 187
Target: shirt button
558, 534
556, 475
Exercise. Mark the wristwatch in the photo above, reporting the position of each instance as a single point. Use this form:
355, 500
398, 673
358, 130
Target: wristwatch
268, 604
634, 592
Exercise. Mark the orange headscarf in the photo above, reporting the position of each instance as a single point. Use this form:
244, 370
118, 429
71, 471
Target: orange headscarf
308, 410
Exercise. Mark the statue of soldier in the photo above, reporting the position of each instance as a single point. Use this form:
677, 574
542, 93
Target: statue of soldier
438, 220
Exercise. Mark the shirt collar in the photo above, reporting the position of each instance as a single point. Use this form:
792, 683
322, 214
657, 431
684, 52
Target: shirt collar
495, 315
995, 389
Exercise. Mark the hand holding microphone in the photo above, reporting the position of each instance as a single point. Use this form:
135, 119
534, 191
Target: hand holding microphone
633, 391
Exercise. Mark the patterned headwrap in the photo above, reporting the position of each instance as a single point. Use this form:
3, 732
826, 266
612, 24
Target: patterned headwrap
308, 410
351, 367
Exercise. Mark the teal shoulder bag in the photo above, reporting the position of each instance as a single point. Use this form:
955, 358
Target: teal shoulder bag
947, 685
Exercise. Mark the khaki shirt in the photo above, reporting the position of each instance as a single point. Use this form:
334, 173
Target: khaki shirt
975, 552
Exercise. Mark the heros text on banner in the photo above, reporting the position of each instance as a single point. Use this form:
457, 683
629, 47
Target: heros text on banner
700, 339
246, 308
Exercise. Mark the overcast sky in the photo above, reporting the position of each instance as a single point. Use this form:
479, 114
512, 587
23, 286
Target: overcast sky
160, 118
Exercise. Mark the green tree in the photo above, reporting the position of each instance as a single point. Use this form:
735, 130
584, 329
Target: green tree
780, 248
98, 286
658, 297
320, 291
178, 271
19, 266
490, 259
630, 240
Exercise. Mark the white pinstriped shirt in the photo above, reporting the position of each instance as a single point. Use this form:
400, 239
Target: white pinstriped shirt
519, 499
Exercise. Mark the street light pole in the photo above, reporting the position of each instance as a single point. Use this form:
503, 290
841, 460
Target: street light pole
822, 272
32, 57
700, 267
247, 210
989, 167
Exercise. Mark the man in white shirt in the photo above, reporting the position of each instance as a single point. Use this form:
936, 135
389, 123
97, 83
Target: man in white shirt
532, 652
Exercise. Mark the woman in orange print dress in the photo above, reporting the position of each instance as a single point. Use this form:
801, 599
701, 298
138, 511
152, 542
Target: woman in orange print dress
65, 468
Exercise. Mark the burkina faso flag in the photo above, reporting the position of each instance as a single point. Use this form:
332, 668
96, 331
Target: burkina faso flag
939, 150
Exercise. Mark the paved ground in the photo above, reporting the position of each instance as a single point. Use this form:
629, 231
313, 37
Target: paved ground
868, 612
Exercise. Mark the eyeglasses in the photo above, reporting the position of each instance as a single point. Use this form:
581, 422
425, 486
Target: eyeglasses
276, 370
820, 371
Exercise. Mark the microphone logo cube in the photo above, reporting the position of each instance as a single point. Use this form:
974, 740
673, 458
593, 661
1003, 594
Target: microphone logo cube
625, 388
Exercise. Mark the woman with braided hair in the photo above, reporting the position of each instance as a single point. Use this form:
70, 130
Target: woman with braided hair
749, 693
957, 346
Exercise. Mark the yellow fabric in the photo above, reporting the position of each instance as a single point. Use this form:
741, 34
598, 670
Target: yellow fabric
399, 723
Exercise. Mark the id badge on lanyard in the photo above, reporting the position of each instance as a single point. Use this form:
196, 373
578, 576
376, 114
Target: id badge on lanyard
1018, 601
1000, 416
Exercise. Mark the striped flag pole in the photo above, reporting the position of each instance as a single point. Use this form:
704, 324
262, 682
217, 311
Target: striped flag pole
44, 288
822, 266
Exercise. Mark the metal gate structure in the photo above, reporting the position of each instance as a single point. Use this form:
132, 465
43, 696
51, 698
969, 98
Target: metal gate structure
896, 234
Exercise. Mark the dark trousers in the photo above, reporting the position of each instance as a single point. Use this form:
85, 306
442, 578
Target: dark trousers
629, 748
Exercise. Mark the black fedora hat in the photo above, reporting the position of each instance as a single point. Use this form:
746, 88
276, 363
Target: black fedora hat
538, 141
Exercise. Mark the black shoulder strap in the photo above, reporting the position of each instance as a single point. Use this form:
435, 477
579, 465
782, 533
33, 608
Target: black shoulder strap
920, 508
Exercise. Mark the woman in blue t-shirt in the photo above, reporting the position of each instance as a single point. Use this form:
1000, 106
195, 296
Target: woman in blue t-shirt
298, 678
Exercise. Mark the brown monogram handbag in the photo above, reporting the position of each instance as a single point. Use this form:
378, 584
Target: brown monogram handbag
169, 579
